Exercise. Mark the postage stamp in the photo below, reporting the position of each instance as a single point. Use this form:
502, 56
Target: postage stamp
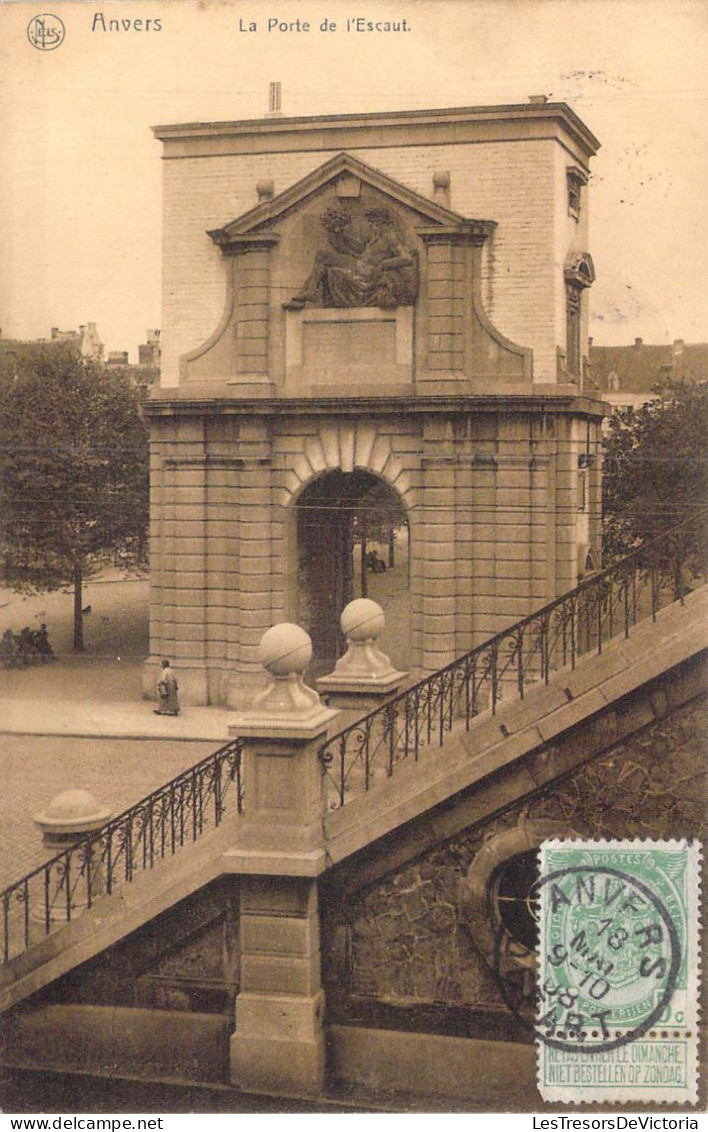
618, 971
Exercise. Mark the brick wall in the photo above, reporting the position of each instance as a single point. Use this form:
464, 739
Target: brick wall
516, 184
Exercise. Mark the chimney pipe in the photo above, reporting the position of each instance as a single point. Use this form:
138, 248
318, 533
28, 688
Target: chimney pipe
275, 101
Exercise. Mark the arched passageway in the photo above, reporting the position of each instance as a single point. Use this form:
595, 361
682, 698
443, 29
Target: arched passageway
352, 541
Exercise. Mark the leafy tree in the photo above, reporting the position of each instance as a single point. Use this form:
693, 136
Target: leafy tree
656, 469
378, 516
75, 469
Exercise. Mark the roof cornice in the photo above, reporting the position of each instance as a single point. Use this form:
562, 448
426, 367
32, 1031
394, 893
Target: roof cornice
543, 399
340, 131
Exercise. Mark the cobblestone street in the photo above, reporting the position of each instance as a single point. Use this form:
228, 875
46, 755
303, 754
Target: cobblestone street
118, 772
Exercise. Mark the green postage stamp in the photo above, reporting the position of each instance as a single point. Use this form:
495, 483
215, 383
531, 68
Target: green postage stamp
618, 971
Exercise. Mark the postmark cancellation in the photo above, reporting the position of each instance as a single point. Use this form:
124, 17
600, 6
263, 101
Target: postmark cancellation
618, 971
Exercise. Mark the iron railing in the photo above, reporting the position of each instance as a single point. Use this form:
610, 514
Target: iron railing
601, 607
134, 842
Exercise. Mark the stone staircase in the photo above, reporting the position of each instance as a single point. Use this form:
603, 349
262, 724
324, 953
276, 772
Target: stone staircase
485, 752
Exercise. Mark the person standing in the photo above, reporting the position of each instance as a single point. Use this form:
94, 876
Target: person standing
42, 645
167, 689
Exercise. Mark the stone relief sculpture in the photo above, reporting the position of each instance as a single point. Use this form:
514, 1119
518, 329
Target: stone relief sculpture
367, 263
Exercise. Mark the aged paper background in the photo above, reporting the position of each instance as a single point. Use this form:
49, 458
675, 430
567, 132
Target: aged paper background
80, 206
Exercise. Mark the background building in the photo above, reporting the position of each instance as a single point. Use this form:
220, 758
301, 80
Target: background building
628, 375
86, 338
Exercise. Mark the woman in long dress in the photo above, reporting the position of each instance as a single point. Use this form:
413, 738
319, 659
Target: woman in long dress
167, 691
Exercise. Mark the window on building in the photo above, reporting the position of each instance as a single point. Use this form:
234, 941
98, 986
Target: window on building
499, 893
512, 891
576, 179
579, 274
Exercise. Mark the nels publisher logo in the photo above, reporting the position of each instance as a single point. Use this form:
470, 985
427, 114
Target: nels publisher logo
46, 32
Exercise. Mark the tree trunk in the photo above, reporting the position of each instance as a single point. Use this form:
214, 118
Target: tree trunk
364, 580
78, 600
391, 552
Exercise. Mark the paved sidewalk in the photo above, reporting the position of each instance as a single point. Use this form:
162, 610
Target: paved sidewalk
125, 719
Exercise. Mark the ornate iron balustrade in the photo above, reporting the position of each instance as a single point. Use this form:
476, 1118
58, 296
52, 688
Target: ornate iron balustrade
134, 842
577, 623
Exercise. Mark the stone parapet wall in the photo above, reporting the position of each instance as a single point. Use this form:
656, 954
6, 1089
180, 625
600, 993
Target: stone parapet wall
397, 953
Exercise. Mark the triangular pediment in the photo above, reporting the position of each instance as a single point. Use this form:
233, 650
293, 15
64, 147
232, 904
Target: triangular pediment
263, 219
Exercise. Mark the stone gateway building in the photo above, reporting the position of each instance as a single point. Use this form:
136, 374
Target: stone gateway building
353, 301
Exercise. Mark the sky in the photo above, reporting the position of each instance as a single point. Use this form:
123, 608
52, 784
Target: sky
80, 171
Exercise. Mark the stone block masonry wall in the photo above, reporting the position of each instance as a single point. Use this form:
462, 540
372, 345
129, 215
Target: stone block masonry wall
258, 566
489, 527
222, 483
513, 183
179, 586
491, 500
446, 347
566, 498
252, 298
399, 946
186, 959
214, 588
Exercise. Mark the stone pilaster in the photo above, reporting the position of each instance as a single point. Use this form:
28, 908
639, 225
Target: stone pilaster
251, 304
159, 444
445, 310
438, 549
566, 502
183, 561
258, 584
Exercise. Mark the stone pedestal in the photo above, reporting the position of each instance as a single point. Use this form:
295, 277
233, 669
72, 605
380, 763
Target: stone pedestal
278, 1043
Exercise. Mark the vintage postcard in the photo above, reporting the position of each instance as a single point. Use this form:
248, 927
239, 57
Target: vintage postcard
353, 500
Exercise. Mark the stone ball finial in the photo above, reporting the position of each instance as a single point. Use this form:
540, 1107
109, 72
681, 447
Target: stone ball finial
285, 649
363, 665
441, 179
362, 620
71, 813
265, 189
